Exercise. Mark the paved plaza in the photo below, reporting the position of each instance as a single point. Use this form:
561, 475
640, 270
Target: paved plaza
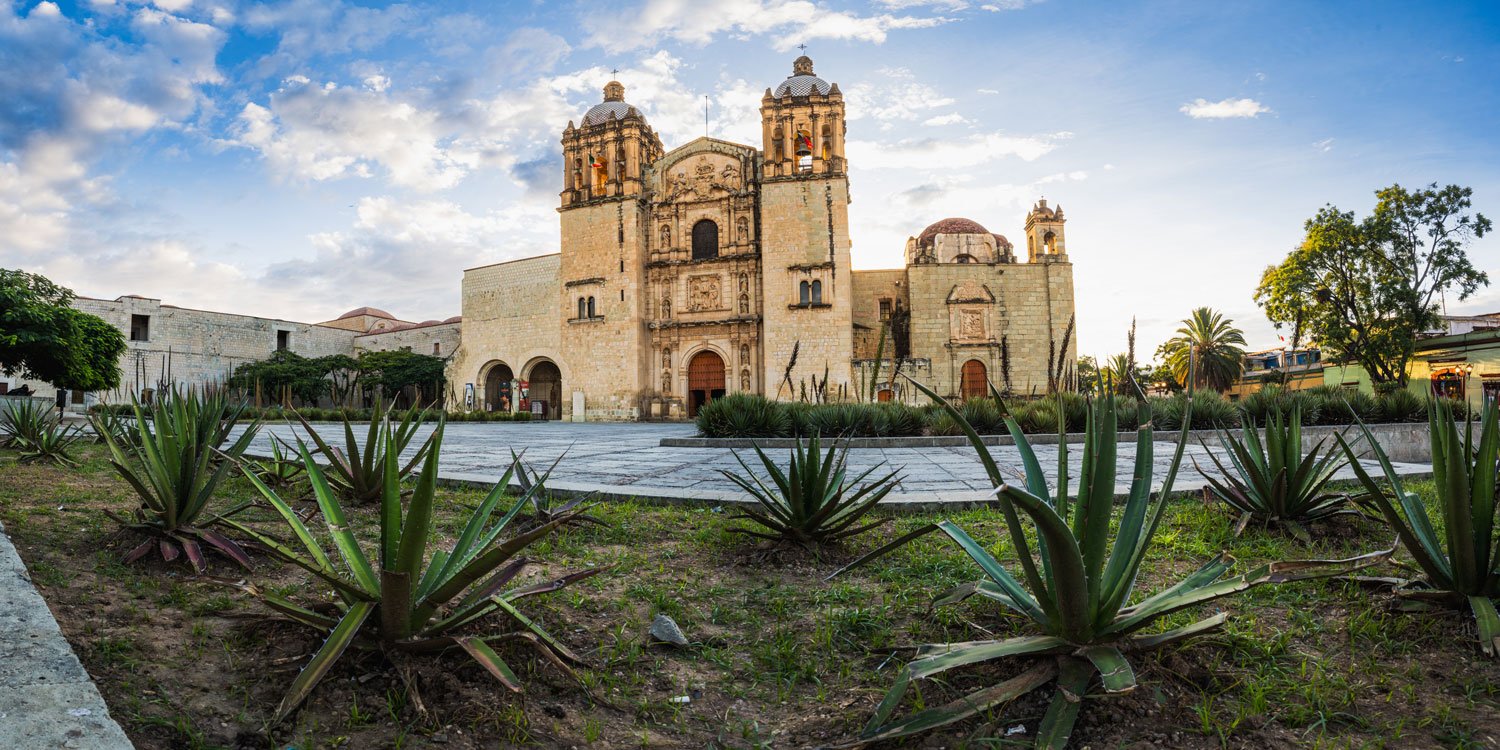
627, 460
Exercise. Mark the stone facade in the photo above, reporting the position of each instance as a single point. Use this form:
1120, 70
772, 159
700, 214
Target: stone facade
719, 267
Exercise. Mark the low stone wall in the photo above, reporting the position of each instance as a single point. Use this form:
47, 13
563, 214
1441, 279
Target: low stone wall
1405, 442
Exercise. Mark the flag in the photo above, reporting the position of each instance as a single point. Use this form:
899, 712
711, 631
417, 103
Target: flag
596, 162
805, 140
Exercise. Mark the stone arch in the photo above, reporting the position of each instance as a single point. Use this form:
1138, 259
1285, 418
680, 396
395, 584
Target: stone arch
707, 377
544, 380
499, 386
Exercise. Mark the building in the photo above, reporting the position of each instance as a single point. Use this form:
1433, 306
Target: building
721, 267
1293, 369
169, 345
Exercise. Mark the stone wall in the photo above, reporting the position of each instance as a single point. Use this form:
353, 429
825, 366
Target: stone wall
193, 348
603, 354
437, 340
510, 319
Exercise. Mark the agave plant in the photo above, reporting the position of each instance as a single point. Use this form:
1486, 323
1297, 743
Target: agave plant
811, 503
174, 462
281, 469
1461, 564
36, 431
1273, 482
399, 600
1075, 585
545, 508
113, 423
356, 470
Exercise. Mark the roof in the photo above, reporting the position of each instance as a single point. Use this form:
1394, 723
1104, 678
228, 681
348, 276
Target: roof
373, 312
951, 225
802, 86
606, 111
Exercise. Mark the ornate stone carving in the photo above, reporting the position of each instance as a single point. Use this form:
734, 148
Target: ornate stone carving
744, 380
742, 230
704, 293
970, 325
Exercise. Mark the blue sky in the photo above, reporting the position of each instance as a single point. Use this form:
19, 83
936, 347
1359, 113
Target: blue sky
303, 158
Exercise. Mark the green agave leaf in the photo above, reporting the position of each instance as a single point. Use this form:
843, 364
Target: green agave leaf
1073, 677
976, 702
338, 640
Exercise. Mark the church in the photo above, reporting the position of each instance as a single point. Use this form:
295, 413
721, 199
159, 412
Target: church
720, 267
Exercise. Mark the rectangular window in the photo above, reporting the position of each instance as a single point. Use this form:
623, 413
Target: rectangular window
885, 310
140, 328
283, 340
437, 348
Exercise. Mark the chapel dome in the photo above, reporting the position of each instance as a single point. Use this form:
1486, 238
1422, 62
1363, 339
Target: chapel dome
613, 106
950, 226
1002, 243
373, 312
802, 81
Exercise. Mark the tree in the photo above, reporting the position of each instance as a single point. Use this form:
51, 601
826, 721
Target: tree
284, 372
1364, 289
391, 372
43, 338
1210, 346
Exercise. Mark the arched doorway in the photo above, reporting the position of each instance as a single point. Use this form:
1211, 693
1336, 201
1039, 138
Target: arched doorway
497, 388
544, 386
705, 380
975, 383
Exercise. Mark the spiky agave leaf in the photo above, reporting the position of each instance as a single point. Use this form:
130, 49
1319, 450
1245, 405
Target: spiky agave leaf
399, 598
356, 469
1463, 564
36, 431
1077, 593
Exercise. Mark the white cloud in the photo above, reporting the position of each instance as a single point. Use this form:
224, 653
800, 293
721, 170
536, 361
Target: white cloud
897, 96
699, 21
1324, 145
952, 118
951, 153
1203, 109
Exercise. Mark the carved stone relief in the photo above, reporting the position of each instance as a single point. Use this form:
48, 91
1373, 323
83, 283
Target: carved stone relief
703, 293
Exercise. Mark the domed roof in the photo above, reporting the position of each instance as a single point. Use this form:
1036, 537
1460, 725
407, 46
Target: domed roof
950, 226
613, 106
373, 312
454, 319
1002, 243
802, 81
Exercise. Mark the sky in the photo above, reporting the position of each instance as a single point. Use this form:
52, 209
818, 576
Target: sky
299, 159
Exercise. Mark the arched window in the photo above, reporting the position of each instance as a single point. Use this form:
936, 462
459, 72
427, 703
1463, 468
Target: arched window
1049, 241
582, 308
964, 258
817, 292
778, 146
827, 142
802, 293
591, 307
705, 240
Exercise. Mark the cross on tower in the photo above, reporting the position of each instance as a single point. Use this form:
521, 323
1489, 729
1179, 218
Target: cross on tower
802, 47
615, 72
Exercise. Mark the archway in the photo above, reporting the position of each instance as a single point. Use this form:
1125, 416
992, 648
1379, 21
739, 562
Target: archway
705, 380
497, 388
544, 387
705, 240
975, 383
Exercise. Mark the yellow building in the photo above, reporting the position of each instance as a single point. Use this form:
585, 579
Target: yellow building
720, 267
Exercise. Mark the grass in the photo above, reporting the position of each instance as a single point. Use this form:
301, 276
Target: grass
779, 658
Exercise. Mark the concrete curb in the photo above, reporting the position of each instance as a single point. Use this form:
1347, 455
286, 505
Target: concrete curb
47, 700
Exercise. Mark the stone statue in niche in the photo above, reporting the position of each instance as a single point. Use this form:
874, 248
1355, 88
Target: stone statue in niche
703, 293
666, 357
744, 304
742, 230
744, 283
666, 308
970, 324
744, 380
666, 237
666, 382
744, 354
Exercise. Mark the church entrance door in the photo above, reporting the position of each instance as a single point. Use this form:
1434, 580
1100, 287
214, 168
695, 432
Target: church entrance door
974, 383
497, 389
705, 380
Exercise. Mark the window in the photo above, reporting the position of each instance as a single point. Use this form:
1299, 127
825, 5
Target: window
591, 307
705, 240
283, 340
964, 258
817, 292
885, 310
437, 348
583, 308
140, 328
802, 293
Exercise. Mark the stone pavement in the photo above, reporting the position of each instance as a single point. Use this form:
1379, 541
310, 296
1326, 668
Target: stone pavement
620, 460
46, 698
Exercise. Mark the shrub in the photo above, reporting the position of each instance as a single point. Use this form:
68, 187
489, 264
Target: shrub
743, 415
1400, 406
1075, 584
810, 503
393, 598
1273, 482
1459, 563
174, 464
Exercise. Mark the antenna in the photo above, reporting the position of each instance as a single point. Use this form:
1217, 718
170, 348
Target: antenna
705, 114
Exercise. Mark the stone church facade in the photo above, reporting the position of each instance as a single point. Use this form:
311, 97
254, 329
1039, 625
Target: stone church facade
720, 267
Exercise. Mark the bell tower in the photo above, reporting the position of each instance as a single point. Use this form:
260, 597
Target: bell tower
806, 276
604, 227
1044, 234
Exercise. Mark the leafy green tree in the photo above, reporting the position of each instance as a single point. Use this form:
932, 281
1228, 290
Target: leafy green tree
43, 338
389, 373
1209, 345
284, 371
1120, 374
1365, 288
1088, 369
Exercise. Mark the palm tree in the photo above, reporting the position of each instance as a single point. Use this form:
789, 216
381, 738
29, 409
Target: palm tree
1208, 343
1119, 374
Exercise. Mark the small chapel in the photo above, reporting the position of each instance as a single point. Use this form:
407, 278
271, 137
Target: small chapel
720, 267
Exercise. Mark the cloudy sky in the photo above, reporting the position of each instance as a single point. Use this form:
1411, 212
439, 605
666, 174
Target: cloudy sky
306, 157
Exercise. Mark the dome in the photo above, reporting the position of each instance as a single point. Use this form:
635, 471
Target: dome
429, 323
373, 312
454, 319
613, 106
802, 81
950, 226
1002, 244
